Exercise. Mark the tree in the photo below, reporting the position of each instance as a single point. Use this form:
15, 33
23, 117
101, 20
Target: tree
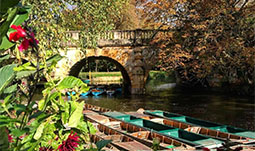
53, 18
212, 39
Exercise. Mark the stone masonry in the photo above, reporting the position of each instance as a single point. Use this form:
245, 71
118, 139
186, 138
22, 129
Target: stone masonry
128, 50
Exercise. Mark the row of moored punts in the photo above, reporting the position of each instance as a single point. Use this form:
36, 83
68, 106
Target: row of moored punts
138, 130
98, 92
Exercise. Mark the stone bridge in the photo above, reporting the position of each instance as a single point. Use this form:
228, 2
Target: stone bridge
129, 50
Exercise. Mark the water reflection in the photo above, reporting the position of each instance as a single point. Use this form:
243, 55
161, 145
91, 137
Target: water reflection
225, 109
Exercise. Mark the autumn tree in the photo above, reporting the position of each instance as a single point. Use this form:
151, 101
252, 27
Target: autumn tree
210, 39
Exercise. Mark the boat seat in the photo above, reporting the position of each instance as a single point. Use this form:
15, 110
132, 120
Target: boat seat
141, 134
158, 120
114, 138
209, 143
193, 129
114, 124
98, 118
133, 145
172, 132
179, 118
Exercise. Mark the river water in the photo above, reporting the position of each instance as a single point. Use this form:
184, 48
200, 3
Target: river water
212, 106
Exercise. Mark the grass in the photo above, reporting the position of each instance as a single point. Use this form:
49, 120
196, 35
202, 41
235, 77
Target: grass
83, 75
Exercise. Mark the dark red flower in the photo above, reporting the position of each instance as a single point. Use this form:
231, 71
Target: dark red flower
10, 138
24, 45
70, 143
20, 33
45, 149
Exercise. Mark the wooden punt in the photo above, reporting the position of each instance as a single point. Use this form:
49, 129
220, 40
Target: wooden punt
115, 127
186, 137
97, 91
164, 137
204, 127
200, 127
119, 141
109, 147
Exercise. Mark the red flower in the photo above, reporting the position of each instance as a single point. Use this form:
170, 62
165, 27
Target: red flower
20, 33
10, 138
24, 45
70, 143
45, 149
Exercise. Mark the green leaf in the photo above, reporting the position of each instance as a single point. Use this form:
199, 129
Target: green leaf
7, 100
4, 143
20, 17
39, 131
65, 113
70, 82
4, 57
25, 67
5, 44
41, 104
7, 75
53, 59
4, 120
5, 27
18, 132
6, 4
76, 116
23, 74
19, 108
10, 89
102, 143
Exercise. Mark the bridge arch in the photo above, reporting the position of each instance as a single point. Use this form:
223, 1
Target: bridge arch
77, 67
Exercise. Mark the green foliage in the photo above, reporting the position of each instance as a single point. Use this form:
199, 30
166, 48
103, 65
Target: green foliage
4, 144
50, 121
14, 16
4, 57
7, 75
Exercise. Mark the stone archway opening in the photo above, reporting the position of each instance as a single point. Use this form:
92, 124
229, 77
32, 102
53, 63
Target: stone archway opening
79, 66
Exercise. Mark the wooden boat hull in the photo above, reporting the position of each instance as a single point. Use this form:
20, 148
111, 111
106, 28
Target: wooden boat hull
164, 138
146, 137
186, 137
206, 127
120, 140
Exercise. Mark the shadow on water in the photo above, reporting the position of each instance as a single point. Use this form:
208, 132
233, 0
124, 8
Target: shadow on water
207, 105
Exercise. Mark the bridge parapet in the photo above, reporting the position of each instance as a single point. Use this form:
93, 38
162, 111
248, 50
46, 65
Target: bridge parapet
128, 37
138, 37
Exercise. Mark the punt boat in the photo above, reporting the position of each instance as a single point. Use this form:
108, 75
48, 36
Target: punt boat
204, 127
112, 126
191, 124
167, 134
119, 140
97, 91
85, 93
193, 139
96, 138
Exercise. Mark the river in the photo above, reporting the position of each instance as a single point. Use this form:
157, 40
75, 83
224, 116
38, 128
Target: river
212, 106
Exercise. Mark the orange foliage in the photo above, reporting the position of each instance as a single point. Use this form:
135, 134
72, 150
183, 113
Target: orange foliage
212, 38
